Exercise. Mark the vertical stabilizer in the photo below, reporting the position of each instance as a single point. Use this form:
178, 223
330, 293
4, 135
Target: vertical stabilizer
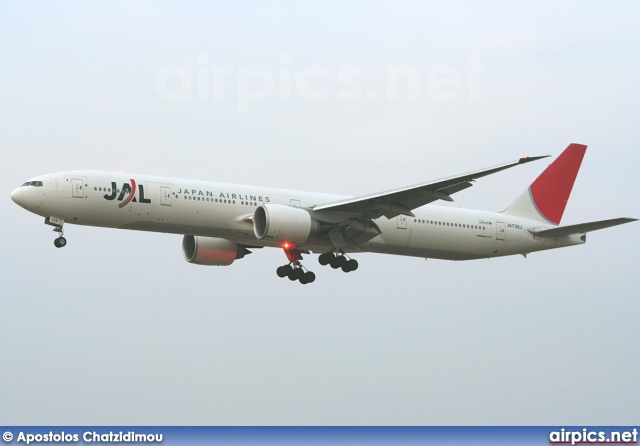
546, 199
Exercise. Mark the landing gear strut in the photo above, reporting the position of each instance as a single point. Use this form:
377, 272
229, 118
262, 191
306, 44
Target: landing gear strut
338, 261
294, 269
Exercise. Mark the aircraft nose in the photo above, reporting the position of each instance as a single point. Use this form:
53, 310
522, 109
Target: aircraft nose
16, 196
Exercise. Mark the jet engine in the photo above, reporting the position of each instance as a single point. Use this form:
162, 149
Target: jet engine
211, 250
279, 223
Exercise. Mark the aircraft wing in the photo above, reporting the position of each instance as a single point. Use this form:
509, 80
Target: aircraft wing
403, 200
581, 228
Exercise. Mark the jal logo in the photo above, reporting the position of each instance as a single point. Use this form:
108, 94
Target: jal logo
127, 189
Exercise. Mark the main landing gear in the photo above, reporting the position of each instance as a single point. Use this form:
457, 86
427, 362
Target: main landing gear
294, 269
296, 273
338, 261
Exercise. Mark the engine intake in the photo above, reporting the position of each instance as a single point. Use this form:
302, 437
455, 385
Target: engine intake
279, 223
211, 250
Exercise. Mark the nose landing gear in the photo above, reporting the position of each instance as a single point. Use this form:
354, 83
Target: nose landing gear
57, 224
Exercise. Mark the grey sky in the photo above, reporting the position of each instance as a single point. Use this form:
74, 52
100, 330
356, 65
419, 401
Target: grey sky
118, 329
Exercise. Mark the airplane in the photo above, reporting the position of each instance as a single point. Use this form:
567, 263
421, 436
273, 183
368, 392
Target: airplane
221, 222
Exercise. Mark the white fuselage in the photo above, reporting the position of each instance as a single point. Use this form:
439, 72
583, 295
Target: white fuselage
226, 211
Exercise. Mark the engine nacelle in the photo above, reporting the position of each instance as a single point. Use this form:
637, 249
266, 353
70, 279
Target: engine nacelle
279, 223
211, 250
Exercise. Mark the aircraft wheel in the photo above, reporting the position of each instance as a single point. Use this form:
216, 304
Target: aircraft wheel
310, 277
338, 262
295, 274
60, 242
325, 258
352, 264
283, 271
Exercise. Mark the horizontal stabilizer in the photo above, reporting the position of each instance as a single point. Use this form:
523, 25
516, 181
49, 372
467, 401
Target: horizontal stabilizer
581, 228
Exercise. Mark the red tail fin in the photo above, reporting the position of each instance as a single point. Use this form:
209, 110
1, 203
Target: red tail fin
549, 193
551, 190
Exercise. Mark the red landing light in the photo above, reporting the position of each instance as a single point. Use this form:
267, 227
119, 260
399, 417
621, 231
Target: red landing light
286, 245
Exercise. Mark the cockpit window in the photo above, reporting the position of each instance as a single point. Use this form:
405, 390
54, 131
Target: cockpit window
33, 183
